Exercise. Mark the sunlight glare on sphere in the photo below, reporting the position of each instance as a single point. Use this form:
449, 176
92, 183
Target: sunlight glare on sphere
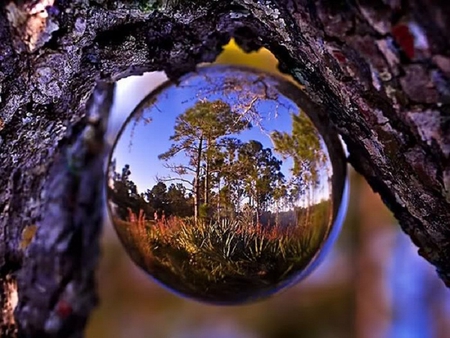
228, 186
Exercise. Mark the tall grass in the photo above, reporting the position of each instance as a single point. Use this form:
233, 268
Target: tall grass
219, 260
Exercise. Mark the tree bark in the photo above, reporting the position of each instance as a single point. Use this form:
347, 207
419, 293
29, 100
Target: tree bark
379, 69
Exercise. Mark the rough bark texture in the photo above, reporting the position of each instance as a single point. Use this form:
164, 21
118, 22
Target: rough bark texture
380, 68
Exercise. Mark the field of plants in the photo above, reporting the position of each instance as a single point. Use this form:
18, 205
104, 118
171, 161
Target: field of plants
229, 260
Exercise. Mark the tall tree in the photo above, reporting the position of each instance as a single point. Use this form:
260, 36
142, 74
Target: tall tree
303, 146
196, 133
180, 203
124, 193
173, 201
157, 197
260, 173
228, 178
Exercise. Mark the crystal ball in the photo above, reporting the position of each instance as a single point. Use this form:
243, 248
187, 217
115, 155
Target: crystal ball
228, 185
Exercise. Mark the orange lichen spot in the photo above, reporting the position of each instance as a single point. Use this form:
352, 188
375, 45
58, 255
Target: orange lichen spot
27, 236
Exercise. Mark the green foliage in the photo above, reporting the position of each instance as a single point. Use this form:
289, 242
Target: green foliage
303, 146
198, 134
223, 167
260, 173
148, 5
200, 127
179, 202
124, 193
205, 211
173, 200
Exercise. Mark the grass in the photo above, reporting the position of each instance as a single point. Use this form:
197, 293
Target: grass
221, 262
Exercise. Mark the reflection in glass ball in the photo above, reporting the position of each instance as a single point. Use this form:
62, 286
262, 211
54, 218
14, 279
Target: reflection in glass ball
223, 188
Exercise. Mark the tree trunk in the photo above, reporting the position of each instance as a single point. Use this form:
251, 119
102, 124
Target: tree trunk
197, 181
379, 70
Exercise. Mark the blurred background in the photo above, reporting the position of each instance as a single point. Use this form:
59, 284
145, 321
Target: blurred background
372, 284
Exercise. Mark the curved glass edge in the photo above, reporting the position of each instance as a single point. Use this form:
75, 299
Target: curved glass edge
333, 234
329, 241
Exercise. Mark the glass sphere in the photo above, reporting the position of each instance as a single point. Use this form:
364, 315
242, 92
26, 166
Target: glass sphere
228, 185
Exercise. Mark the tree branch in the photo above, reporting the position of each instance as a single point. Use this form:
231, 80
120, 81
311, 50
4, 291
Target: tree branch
377, 70
62, 257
